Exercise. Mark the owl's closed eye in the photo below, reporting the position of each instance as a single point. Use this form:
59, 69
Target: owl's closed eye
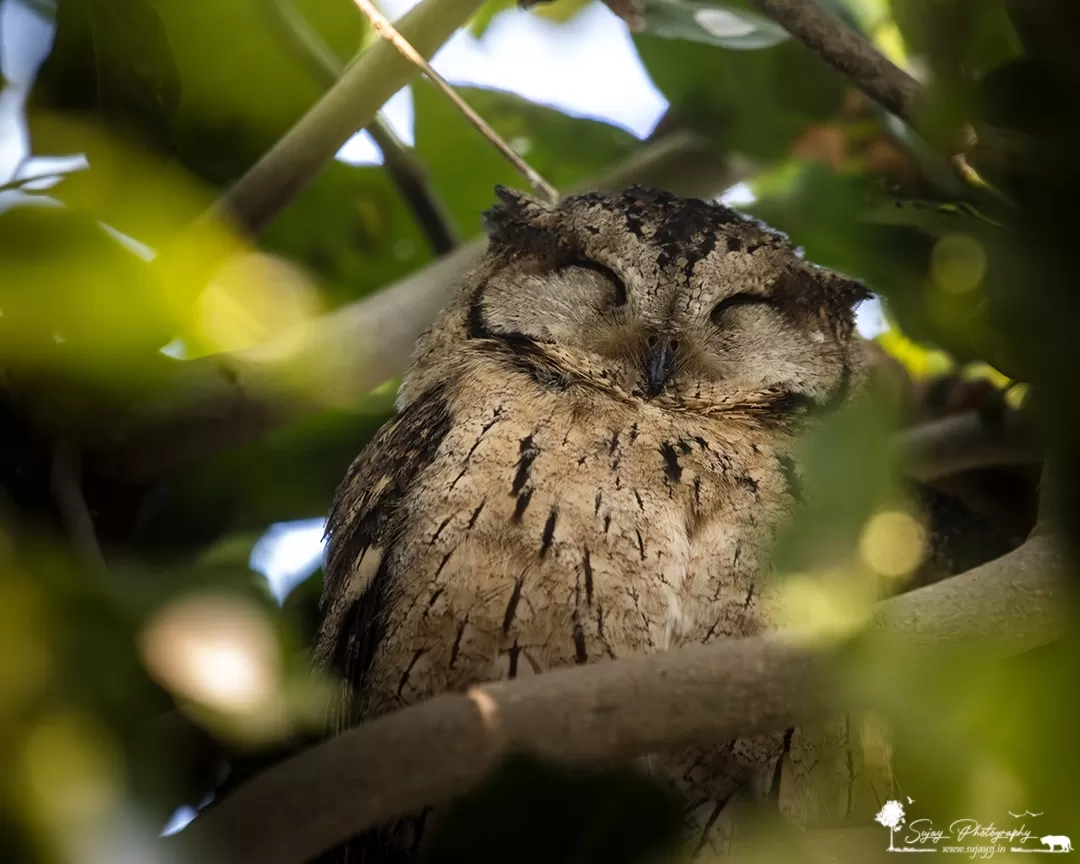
684, 304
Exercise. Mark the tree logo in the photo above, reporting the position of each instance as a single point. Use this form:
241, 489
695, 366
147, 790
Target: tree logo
892, 816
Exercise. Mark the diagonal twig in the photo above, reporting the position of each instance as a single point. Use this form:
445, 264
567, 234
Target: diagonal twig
388, 32
405, 171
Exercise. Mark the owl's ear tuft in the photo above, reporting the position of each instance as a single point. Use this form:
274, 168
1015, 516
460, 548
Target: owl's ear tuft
849, 292
514, 197
521, 222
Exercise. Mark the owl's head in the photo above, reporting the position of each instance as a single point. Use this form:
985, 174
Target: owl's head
679, 303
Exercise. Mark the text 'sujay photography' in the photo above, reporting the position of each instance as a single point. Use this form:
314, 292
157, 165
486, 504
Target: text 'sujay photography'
585, 431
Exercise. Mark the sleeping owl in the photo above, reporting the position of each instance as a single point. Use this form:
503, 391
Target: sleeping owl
592, 453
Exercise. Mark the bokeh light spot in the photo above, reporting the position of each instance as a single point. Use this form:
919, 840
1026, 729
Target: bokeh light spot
958, 263
893, 543
216, 650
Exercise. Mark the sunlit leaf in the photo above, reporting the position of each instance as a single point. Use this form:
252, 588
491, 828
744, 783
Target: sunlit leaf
729, 25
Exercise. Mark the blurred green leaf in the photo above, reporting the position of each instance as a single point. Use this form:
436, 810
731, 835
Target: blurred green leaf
975, 35
216, 83
72, 295
848, 473
960, 41
243, 83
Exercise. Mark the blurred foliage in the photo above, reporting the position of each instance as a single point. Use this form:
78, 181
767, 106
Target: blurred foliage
127, 692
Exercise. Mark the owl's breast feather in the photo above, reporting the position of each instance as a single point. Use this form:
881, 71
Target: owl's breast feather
542, 536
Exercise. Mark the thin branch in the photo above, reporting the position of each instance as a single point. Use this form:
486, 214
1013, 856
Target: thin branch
294, 161
406, 172
609, 711
962, 442
388, 32
849, 53
409, 178
204, 406
887, 84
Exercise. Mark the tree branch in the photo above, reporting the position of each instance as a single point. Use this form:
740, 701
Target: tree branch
376, 75
204, 406
849, 53
406, 172
962, 442
610, 711
887, 84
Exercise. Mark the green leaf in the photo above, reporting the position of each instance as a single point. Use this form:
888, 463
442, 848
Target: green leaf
729, 25
755, 102
464, 167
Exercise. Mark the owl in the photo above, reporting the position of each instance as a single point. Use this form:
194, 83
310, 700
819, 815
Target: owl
592, 452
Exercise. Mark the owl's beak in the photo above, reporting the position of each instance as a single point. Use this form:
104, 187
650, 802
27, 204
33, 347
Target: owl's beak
659, 364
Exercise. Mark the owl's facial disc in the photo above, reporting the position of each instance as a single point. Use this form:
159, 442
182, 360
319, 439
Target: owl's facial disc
685, 305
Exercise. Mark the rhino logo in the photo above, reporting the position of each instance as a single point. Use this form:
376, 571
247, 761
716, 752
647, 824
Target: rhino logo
1056, 843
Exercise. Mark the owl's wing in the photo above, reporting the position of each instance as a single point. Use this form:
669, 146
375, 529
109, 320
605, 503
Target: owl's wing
365, 520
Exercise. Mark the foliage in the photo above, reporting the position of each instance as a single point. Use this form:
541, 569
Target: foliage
171, 102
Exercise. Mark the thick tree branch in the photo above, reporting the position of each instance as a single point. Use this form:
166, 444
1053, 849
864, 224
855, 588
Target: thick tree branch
609, 711
405, 171
204, 406
294, 161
